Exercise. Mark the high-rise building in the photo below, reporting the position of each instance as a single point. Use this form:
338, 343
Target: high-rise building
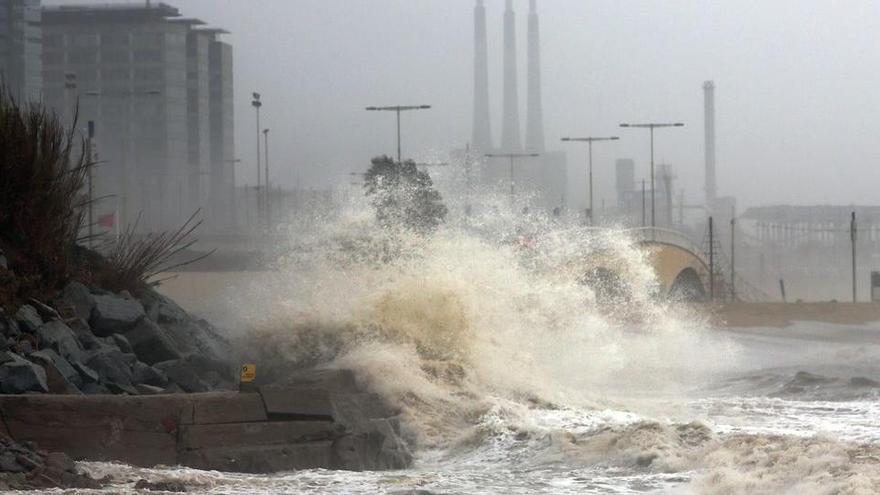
20, 48
144, 75
221, 129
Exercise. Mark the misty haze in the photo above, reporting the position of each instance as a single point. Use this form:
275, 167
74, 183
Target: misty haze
439, 246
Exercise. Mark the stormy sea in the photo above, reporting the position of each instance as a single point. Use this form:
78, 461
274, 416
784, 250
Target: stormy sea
513, 376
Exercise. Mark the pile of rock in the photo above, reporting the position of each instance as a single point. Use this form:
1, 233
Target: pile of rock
95, 342
23, 467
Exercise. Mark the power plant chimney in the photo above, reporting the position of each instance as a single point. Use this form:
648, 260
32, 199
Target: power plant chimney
711, 186
510, 131
482, 131
535, 123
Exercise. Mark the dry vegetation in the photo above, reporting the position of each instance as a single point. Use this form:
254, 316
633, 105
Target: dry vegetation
44, 171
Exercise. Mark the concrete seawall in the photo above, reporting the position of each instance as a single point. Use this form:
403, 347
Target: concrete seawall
276, 428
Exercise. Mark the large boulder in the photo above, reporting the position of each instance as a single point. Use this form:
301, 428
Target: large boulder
9, 327
84, 334
113, 314
151, 343
198, 337
161, 309
60, 375
113, 368
18, 375
28, 318
183, 375
144, 374
67, 371
75, 301
45, 311
61, 338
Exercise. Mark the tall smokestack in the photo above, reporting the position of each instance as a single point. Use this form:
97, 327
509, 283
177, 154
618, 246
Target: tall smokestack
709, 101
482, 132
535, 124
510, 137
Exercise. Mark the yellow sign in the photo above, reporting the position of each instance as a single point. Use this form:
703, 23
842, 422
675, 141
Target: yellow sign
248, 373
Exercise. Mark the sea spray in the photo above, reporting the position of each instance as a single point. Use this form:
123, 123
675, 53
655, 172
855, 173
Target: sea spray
504, 359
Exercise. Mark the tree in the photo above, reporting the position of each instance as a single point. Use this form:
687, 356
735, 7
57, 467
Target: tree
404, 195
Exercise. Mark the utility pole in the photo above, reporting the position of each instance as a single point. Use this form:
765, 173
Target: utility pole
268, 184
512, 157
590, 141
711, 261
257, 104
651, 126
644, 210
853, 234
397, 109
732, 258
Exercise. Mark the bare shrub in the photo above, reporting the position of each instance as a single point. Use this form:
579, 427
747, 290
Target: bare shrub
42, 182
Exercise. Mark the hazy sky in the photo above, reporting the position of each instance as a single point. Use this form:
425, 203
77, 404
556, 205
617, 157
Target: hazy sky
798, 85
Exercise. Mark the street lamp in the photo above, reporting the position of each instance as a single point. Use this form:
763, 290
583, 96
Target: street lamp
398, 109
590, 141
257, 104
512, 157
266, 175
651, 126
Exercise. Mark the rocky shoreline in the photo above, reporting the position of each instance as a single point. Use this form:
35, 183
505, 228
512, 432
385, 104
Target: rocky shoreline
90, 341
134, 378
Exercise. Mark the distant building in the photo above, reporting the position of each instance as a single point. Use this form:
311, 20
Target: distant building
147, 78
20, 48
542, 179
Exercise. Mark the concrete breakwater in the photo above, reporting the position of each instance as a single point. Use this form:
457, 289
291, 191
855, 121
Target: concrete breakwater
317, 420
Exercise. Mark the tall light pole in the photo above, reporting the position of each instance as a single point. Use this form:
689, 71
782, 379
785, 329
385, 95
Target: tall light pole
397, 109
651, 126
512, 157
590, 141
257, 104
268, 186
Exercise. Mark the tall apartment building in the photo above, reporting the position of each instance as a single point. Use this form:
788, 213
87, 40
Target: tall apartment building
143, 75
20, 48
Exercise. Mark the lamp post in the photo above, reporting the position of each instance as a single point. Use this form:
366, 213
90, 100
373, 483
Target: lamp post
651, 126
266, 175
398, 109
512, 157
590, 141
257, 104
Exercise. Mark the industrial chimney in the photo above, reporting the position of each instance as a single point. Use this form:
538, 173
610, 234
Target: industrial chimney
711, 186
510, 131
535, 123
482, 131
